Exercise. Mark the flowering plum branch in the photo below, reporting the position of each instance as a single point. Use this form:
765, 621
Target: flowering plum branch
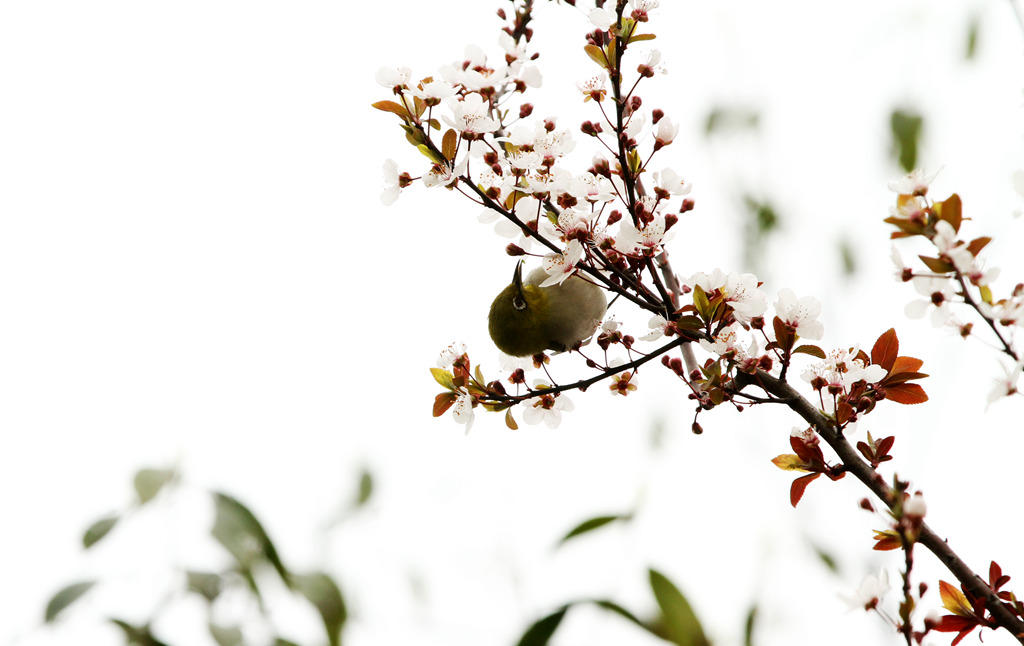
604, 226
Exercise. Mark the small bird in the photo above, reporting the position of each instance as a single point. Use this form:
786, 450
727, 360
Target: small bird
527, 319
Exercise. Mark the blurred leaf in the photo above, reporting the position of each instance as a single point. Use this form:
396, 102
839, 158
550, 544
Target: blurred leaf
149, 482
765, 218
65, 598
236, 528
98, 530
137, 635
725, 119
323, 592
973, 27
365, 488
748, 627
539, 634
207, 584
847, 258
827, 559
591, 524
762, 220
678, 623
280, 641
906, 134
619, 610
226, 636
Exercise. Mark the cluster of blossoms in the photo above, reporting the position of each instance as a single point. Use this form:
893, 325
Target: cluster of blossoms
957, 275
515, 169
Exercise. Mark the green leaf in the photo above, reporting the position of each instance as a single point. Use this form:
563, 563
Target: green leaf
636, 37
619, 610
731, 119
281, 641
431, 154
149, 482
236, 528
323, 593
827, 559
539, 634
906, 133
65, 598
226, 636
701, 302
678, 621
596, 54
973, 27
98, 530
206, 584
443, 377
137, 635
365, 488
748, 627
591, 524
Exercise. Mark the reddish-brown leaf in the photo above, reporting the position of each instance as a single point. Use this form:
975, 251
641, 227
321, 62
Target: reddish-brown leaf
887, 540
906, 394
784, 335
865, 450
796, 490
951, 210
886, 349
448, 145
392, 107
906, 364
808, 454
996, 578
443, 402
937, 265
901, 377
812, 350
976, 245
883, 445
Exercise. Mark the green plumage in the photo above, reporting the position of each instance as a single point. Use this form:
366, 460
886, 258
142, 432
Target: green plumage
527, 319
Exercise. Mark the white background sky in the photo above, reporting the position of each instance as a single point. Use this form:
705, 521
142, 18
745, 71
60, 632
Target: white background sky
196, 271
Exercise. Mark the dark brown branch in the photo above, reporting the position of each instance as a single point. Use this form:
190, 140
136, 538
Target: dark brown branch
586, 383
861, 470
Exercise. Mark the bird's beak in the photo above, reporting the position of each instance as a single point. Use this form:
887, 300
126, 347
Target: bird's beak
517, 278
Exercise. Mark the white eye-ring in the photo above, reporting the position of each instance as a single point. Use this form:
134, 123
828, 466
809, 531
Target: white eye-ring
519, 303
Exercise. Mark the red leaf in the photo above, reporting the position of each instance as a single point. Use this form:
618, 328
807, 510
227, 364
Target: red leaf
443, 402
807, 453
796, 490
954, 624
784, 335
883, 445
885, 350
865, 450
996, 578
906, 364
906, 394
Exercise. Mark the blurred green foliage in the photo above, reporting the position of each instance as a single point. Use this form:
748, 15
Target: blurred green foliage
253, 557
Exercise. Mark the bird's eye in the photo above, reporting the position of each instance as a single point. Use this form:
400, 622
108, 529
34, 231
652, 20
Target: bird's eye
519, 303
